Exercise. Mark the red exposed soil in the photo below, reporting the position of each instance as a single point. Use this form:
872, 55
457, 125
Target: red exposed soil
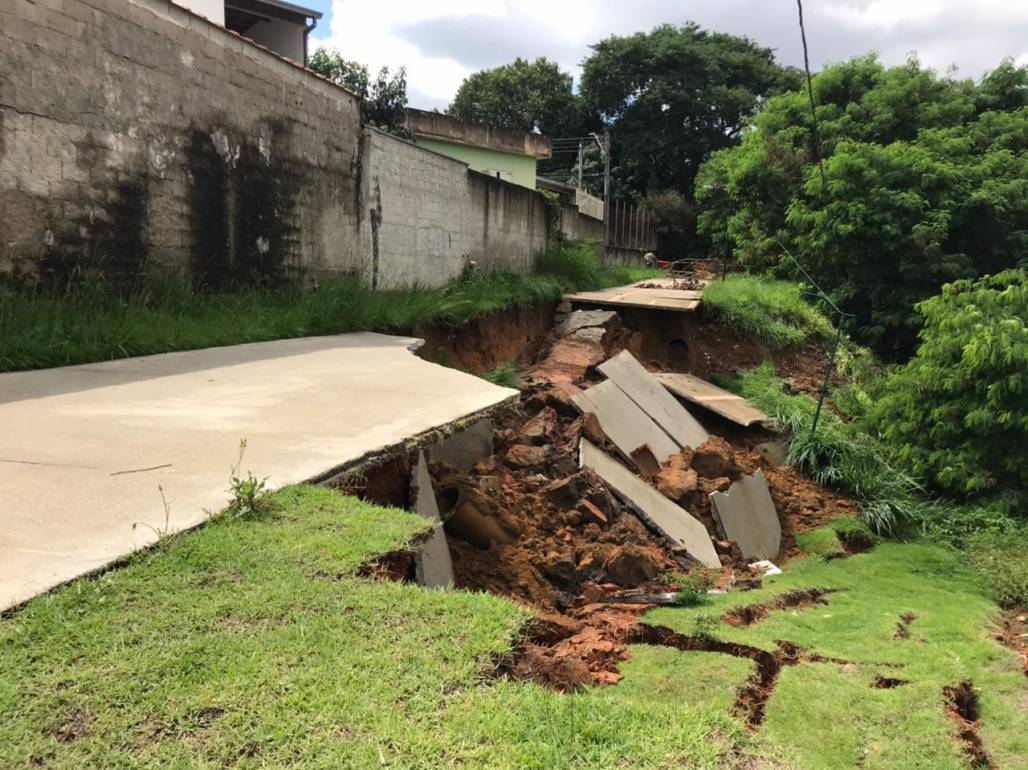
528, 524
903, 627
1013, 633
481, 345
961, 704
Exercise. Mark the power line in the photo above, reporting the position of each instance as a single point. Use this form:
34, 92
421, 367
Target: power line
810, 94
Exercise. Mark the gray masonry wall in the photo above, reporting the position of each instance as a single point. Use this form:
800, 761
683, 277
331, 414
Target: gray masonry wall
428, 215
136, 136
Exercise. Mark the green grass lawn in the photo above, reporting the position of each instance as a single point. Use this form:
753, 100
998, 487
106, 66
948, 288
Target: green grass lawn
828, 715
251, 643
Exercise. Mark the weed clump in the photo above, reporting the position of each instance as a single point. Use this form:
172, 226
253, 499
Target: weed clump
773, 311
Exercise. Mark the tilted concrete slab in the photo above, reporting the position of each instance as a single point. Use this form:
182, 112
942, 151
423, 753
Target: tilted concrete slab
747, 515
629, 375
677, 524
84, 448
678, 300
465, 448
709, 396
433, 566
628, 426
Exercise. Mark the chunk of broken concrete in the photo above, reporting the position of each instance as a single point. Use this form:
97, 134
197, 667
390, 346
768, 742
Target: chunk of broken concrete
663, 408
461, 450
747, 515
676, 524
623, 422
433, 566
587, 319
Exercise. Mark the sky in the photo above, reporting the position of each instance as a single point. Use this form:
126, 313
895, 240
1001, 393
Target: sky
443, 41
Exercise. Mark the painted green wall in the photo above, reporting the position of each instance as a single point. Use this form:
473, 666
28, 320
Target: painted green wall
521, 167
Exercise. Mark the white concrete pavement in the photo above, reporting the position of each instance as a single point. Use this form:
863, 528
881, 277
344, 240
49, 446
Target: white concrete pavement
83, 449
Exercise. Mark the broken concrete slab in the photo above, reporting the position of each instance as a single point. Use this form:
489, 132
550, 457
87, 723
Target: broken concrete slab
624, 423
746, 514
709, 396
462, 449
675, 523
681, 301
432, 564
631, 377
586, 319
307, 407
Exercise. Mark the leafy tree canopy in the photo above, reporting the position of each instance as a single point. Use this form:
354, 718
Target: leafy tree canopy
674, 95
383, 99
957, 412
925, 180
524, 96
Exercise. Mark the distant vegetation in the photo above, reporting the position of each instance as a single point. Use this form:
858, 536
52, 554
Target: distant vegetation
924, 181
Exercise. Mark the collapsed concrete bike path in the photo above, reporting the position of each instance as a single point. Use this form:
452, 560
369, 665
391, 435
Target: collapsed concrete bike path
83, 449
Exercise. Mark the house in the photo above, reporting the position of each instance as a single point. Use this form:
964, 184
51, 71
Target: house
279, 26
500, 152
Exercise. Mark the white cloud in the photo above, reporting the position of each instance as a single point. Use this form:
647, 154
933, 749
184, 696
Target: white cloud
443, 41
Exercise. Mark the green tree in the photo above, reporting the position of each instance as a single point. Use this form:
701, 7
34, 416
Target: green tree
957, 412
383, 99
674, 95
523, 96
919, 187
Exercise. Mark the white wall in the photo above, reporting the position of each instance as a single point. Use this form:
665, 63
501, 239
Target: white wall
212, 9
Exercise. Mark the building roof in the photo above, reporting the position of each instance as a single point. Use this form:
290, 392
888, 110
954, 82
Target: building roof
273, 5
435, 125
546, 183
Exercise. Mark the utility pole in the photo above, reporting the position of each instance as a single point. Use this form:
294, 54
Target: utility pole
606, 186
581, 157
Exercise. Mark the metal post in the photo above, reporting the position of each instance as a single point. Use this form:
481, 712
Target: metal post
581, 154
828, 374
606, 184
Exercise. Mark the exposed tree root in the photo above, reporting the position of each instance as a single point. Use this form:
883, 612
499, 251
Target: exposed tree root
754, 613
961, 703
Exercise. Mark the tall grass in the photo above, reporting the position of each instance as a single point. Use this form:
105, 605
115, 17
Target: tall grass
772, 311
87, 322
839, 455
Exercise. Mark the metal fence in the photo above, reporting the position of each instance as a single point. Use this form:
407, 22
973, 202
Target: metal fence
628, 227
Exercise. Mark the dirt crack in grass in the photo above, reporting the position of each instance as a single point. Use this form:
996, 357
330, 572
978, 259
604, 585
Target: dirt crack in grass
748, 614
752, 698
961, 704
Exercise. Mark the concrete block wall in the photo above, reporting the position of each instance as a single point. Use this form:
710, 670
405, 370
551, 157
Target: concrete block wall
428, 215
137, 137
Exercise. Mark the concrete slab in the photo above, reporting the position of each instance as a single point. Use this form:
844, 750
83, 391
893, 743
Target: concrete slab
624, 422
747, 515
657, 511
709, 396
84, 448
629, 375
433, 566
682, 301
465, 448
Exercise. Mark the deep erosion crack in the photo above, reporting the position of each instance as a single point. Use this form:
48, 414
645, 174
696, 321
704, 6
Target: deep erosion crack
752, 699
753, 613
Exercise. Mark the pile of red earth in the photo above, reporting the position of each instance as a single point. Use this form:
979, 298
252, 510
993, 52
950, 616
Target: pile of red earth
528, 524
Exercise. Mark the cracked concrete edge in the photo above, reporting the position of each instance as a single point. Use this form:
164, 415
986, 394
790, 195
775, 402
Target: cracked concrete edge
367, 460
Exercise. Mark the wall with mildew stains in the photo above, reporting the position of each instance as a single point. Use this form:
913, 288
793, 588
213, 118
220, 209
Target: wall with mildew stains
136, 137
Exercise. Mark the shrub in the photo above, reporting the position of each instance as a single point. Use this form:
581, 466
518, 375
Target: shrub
840, 454
504, 375
957, 413
1001, 559
773, 311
